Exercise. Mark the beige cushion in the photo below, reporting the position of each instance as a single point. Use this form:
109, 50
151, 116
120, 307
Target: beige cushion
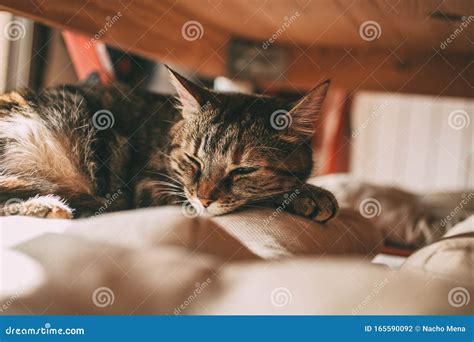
405, 218
288, 235
158, 262
245, 231
450, 258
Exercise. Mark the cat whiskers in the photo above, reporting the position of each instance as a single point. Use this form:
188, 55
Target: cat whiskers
180, 202
167, 184
167, 176
169, 193
167, 189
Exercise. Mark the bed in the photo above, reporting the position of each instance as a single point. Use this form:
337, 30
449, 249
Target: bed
157, 261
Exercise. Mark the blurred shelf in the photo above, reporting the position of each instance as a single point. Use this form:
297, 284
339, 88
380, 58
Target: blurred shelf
395, 46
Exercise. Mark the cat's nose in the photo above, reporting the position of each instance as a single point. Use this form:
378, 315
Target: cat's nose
206, 192
206, 202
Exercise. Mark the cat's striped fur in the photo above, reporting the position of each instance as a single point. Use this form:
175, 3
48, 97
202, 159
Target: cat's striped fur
217, 151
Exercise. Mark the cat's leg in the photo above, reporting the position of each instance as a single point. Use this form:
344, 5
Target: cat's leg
67, 206
48, 206
41, 198
309, 201
29, 196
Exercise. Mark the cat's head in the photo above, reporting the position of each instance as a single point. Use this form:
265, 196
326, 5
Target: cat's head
233, 149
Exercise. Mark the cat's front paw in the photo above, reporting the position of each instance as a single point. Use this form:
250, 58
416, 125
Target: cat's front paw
314, 203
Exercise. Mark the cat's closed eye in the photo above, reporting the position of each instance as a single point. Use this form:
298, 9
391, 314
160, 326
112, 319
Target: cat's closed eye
242, 171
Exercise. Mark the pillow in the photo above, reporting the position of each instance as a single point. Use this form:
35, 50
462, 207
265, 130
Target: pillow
405, 219
449, 258
283, 235
243, 234
149, 260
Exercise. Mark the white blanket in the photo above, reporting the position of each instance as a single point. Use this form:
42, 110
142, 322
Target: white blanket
157, 261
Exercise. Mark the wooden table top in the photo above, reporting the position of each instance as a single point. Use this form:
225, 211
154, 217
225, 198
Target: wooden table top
389, 45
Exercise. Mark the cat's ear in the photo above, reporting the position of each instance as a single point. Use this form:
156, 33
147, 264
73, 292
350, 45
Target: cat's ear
191, 96
305, 112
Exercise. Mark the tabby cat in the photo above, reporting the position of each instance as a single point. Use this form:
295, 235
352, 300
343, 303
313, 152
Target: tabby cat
79, 150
